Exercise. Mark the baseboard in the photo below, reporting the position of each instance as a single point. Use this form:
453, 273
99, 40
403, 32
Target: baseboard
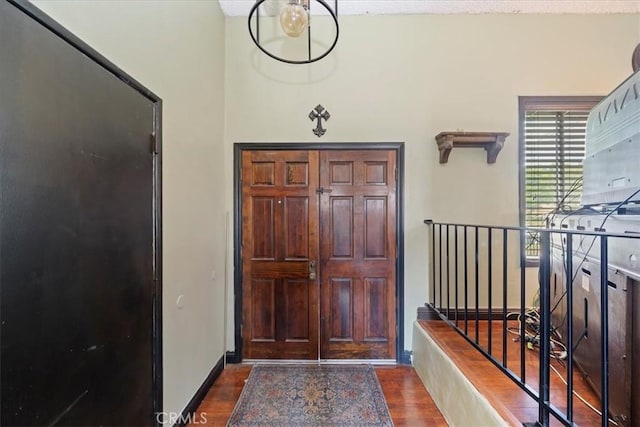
233, 357
198, 397
405, 358
429, 312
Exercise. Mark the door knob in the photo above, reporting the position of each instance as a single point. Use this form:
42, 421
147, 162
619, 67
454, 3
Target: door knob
312, 270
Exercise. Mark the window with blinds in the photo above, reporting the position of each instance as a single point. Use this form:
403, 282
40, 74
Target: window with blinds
552, 138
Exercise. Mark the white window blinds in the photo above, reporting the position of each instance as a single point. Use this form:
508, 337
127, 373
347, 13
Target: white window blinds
552, 150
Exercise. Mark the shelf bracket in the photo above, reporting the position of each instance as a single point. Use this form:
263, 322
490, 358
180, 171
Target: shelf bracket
492, 142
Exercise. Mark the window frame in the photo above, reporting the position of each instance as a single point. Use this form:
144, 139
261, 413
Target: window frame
544, 103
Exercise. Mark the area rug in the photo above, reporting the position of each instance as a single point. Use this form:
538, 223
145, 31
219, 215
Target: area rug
311, 395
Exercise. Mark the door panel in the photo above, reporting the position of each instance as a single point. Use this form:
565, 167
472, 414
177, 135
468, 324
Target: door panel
374, 314
358, 254
341, 320
375, 227
279, 241
341, 229
296, 228
263, 227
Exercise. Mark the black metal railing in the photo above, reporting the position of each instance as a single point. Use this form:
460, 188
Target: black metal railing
480, 285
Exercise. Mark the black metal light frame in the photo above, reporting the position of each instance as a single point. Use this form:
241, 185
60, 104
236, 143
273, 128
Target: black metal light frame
256, 36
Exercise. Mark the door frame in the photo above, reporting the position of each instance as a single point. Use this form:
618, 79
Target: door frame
155, 146
402, 356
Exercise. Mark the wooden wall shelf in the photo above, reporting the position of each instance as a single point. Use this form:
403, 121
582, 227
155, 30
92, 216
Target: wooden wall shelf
492, 142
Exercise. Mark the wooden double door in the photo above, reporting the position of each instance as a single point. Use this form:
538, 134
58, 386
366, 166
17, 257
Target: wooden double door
319, 254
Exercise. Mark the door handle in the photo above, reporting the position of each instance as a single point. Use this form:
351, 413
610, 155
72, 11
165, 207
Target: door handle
312, 270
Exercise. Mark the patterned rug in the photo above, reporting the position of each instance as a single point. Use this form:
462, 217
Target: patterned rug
311, 395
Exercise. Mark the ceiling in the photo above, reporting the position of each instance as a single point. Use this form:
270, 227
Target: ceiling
403, 7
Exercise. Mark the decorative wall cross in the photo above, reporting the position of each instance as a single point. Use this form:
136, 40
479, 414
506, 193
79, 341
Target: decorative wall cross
318, 114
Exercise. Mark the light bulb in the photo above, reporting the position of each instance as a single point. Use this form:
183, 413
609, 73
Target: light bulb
294, 19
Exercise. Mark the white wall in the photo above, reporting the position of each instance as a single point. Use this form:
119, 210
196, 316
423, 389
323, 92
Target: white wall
407, 78
176, 49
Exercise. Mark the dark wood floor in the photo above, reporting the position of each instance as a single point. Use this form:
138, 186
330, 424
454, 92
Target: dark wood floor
408, 401
502, 392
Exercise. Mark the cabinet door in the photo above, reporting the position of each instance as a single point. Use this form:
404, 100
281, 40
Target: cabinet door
77, 235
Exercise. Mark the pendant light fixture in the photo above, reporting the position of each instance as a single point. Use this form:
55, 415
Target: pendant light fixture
294, 22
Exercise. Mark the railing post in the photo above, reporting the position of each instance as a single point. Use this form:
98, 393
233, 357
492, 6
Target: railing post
440, 267
456, 269
448, 275
569, 288
489, 283
545, 326
604, 319
433, 263
466, 284
505, 284
523, 291
477, 277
